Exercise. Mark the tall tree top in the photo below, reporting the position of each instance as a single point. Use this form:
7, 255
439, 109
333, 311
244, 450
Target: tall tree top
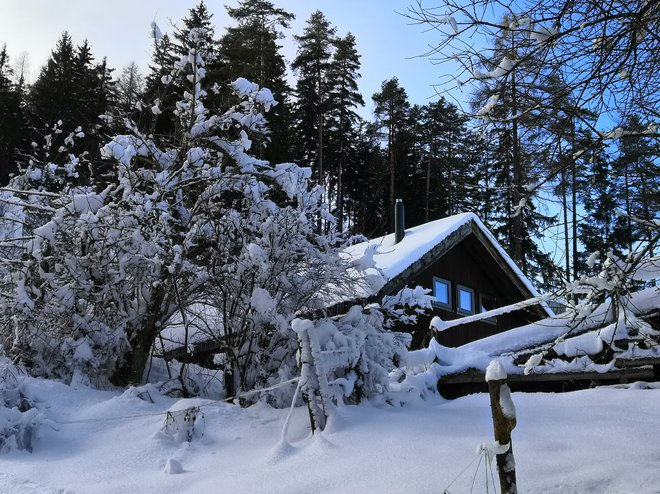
200, 18
5, 69
261, 12
315, 44
392, 101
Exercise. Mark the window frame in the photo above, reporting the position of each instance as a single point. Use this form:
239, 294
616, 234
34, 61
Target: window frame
491, 320
436, 302
459, 309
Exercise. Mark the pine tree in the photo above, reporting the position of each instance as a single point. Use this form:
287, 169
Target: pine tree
311, 65
158, 89
391, 112
13, 125
448, 164
67, 100
365, 196
169, 57
637, 168
84, 80
52, 94
344, 98
605, 230
251, 50
197, 27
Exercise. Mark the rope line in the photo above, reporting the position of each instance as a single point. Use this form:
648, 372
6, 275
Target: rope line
446, 489
474, 478
215, 403
492, 476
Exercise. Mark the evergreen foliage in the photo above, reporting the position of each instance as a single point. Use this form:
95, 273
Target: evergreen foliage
14, 134
392, 111
251, 49
312, 64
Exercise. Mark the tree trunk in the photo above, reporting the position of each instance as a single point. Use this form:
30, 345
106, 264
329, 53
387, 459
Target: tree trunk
516, 241
427, 192
564, 204
574, 201
450, 179
131, 369
390, 149
340, 190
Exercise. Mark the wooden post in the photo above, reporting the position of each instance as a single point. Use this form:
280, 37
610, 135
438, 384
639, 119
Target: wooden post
504, 420
314, 382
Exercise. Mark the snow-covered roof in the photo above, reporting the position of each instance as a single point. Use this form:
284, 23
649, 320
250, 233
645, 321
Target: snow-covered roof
546, 330
478, 354
392, 259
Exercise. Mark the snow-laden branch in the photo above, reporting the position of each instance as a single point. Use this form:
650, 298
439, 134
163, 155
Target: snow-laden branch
437, 324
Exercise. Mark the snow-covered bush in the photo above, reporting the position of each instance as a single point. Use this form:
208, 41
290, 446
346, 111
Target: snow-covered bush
603, 309
347, 360
191, 218
19, 421
183, 421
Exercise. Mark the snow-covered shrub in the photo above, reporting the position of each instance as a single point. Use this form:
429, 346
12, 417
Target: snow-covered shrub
348, 359
183, 421
191, 218
406, 305
19, 421
602, 310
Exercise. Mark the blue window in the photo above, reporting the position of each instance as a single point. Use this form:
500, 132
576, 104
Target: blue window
442, 293
465, 300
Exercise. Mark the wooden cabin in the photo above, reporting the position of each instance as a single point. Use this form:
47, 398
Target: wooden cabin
457, 258
468, 271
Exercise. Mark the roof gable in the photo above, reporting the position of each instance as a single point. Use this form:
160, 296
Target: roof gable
424, 244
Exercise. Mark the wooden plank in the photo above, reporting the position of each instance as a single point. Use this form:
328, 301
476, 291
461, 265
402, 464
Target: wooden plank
636, 362
504, 266
474, 376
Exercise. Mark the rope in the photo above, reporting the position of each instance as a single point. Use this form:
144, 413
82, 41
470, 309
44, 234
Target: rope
474, 478
481, 455
215, 403
446, 489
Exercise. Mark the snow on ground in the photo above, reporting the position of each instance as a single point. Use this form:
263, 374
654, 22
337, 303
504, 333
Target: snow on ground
601, 440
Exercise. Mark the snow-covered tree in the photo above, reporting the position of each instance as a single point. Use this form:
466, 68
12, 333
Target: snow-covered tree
192, 218
129, 88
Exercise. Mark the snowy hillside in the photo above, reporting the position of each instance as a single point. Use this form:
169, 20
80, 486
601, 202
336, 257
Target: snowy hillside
601, 440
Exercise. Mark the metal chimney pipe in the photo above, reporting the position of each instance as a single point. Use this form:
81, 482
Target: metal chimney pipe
399, 221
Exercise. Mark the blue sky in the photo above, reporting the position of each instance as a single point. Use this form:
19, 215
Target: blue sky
390, 46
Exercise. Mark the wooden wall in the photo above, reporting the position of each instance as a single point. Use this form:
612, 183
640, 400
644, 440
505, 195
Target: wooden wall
470, 264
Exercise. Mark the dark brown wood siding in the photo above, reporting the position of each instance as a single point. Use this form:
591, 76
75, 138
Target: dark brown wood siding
471, 264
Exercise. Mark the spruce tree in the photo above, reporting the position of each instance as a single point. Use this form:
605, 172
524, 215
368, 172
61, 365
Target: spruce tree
66, 102
344, 99
159, 118
170, 56
251, 49
391, 112
312, 63
52, 94
605, 230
